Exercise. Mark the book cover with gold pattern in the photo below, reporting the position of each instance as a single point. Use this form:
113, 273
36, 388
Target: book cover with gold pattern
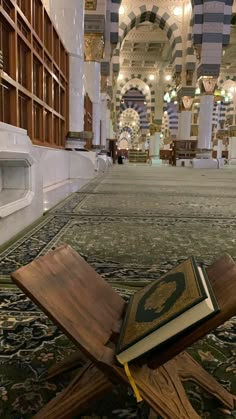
160, 302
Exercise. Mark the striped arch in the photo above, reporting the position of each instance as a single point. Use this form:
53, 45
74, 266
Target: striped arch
173, 118
153, 14
134, 83
142, 114
224, 78
190, 62
227, 109
128, 133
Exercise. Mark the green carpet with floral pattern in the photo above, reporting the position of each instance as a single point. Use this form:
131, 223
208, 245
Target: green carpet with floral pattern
132, 225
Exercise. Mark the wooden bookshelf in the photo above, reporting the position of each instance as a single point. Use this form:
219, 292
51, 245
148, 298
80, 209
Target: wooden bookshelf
137, 156
34, 78
166, 155
183, 149
88, 119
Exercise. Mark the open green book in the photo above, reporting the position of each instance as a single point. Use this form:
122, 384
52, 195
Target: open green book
163, 309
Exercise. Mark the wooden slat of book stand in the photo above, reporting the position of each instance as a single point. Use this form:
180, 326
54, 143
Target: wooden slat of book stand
90, 313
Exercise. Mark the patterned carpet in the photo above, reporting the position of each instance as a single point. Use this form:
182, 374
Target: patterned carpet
132, 225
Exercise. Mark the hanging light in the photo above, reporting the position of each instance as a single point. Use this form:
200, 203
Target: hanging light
151, 77
121, 10
173, 93
168, 77
167, 97
177, 11
197, 91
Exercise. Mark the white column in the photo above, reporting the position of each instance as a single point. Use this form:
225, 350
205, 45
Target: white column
68, 17
232, 148
154, 149
92, 84
184, 128
104, 120
219, 149
159, 93
205, 122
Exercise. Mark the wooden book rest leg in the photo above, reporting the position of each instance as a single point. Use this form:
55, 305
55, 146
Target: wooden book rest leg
190, 370
90, 313
90, 384
161, 388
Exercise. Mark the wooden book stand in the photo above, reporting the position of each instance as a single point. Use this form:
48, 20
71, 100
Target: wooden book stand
90, 313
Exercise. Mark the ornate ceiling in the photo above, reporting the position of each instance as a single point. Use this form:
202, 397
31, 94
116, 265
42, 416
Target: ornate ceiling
145, 48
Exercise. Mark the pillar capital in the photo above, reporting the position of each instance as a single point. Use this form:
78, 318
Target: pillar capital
90, 4
207, 84
187, 102
93, 46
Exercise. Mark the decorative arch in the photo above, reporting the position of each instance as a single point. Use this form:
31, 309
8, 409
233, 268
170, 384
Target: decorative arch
153, 14
127, 132
146, 82
142, 115
134, 83
173, 118
223, 78
190, 64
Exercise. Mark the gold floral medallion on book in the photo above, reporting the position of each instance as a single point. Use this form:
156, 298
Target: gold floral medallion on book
172, 303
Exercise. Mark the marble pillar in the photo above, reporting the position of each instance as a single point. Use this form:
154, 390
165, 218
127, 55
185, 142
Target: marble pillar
184, 128
159, 94
109, 127
219, 149
92, 85
232, 150
154, 149
205, 125
104, 121
68, 17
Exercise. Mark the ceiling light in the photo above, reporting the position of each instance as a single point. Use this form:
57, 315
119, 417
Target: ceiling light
121, 10
121, 76
168, 77
177, 11
151, 77
145, 103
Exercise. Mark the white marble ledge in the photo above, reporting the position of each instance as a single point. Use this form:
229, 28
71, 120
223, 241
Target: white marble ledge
12, 200
15, 158
53, 194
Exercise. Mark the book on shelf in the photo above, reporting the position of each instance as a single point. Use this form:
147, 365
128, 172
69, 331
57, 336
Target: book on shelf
164, 309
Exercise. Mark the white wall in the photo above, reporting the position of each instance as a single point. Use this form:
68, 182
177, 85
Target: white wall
59, 165
37, 168
19, 213
54, 165
82, 164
